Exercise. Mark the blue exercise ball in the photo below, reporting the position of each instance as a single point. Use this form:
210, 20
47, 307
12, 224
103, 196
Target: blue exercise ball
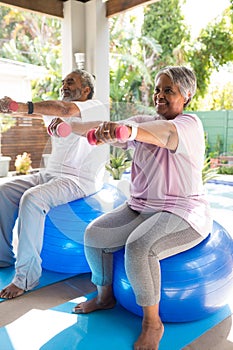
194, 284
63, 249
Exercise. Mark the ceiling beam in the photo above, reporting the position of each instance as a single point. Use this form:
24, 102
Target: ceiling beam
113, 7
55, 7
49, 7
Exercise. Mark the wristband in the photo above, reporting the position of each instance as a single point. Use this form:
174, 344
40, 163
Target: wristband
134, 132
30, 107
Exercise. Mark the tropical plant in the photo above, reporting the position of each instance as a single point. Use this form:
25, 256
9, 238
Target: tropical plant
118, 163
218, 148
36, 39
205, 54
208, 53
219, 97
208, 173
130, 77
131, 57
164, 21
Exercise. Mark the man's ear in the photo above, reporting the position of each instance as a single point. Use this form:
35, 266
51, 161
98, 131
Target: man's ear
86, 91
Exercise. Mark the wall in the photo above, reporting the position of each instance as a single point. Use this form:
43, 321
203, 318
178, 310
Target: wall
26, 136
218, 124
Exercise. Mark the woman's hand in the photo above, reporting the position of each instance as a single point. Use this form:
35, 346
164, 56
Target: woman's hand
110, 132
106, 132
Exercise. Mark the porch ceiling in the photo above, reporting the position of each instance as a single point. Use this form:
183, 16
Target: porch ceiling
55, 7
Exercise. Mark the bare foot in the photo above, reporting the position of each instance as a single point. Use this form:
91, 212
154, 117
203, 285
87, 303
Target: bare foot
94, 305
11, 291
150, 337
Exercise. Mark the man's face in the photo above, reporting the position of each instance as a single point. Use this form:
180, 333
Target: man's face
72, 89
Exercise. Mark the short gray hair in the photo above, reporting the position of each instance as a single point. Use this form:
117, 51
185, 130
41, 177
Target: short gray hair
183, 77
87, 79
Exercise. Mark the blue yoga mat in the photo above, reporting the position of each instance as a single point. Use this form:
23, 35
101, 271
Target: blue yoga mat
108, 329
47, 278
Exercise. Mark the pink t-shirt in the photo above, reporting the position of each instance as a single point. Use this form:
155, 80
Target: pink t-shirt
163, 180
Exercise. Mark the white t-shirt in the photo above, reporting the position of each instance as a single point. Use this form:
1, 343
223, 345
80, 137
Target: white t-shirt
73, 157
172, 181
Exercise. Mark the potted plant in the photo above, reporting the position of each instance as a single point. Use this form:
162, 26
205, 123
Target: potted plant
119, 162
23, 163
214, 161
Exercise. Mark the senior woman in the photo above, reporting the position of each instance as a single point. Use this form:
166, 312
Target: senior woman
167, 212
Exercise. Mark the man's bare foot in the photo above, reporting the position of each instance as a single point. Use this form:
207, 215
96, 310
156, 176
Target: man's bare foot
11, 291
94, 305
150, 337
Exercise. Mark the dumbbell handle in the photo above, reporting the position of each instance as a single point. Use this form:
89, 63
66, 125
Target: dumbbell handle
121, 133
63, 130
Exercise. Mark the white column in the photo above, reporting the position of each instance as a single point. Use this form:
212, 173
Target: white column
73, 34
97, 47
85, 30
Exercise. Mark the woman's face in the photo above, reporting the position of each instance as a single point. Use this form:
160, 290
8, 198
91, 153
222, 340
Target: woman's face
168, 100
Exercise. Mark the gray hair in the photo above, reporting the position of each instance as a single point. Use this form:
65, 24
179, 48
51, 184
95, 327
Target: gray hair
87, 79
183, 77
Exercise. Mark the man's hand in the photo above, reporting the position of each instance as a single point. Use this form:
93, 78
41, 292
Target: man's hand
5, 105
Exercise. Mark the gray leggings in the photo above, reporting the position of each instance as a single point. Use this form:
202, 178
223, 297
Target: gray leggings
147, 238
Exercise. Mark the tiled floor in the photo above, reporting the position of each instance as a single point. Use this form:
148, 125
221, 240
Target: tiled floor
45, 298
218, 338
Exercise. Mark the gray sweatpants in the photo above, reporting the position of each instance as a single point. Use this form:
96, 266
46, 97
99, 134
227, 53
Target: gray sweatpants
147, 238
30, 198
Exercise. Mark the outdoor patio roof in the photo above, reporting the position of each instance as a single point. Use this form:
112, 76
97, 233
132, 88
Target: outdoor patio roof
55, 7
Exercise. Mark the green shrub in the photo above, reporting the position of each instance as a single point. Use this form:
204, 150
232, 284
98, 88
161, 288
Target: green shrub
227, 170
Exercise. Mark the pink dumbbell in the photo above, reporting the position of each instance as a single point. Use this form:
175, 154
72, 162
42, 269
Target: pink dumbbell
63, 130
121, 133
13, 106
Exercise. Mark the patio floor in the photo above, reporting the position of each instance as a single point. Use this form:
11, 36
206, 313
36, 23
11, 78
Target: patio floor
219, 337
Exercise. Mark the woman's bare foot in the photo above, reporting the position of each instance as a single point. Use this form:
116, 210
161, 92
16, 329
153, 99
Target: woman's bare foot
150, 337
94, 305
103, 301
11, 291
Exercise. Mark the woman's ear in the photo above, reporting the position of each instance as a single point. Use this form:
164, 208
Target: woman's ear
188, 98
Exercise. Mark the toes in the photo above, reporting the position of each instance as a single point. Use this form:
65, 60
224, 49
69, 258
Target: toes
10, 293
77, 310
2, 294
